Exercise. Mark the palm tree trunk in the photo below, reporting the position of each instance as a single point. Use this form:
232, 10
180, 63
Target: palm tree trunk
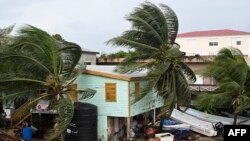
235, 118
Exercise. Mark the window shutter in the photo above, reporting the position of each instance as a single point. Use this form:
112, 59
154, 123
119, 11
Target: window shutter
137, 90
110, 89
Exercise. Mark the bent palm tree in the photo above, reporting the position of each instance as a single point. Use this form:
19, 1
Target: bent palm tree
230, 70
152, 38
37, 66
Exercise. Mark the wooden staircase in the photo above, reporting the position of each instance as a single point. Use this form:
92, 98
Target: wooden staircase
20, 115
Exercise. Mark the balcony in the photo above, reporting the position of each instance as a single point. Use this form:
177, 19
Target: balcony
196, 88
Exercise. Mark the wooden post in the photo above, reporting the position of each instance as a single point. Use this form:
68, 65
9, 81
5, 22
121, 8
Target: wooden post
128, 128
154, 117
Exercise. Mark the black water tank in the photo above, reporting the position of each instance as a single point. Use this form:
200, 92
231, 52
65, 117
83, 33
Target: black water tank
83, 126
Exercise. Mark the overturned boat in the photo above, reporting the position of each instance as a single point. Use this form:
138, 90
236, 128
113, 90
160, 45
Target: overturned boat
197, 125
181, 126
214, 118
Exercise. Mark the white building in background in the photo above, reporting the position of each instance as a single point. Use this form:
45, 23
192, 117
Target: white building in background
209, 42
200, 46
88, 57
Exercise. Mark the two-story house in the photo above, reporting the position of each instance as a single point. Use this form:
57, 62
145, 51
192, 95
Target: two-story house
115, 98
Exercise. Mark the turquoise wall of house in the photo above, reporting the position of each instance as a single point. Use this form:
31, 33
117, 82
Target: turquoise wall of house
102, 126
147, 103
115, 109
105, 109
121, 107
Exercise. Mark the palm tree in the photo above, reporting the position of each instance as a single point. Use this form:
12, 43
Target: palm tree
230, 71
152, 39
37, 66
5, 34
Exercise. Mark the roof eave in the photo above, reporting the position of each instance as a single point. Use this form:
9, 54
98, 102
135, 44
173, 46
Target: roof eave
114, 76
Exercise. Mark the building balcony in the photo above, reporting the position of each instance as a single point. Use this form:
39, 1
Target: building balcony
196, 88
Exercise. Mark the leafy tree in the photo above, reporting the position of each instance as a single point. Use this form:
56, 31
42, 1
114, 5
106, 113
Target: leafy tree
38, 66
230, 71
119, 54
152, 39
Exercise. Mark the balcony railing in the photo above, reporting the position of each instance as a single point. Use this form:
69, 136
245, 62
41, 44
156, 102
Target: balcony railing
202, 87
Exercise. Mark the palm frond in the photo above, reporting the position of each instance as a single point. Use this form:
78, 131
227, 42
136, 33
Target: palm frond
168, 106
206, 101
65, 110
70, 76
187, 71
16, 95
172, 23
144, 30
245, 104
44, 40
29, 62
172, 52
4, 32
182, 90
86, 94
121, 41
134, 67
71, 54
17, 81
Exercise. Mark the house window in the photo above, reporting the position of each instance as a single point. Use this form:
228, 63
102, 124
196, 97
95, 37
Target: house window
213, 43
238, 43
137, 90
110, 92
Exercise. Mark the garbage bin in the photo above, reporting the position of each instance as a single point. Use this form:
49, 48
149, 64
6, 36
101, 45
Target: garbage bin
27, 133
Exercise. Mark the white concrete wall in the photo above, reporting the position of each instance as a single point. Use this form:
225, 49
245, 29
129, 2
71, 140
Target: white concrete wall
200, 45
86, 57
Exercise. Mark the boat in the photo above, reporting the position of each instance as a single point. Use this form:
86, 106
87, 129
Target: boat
181, 126
240, 119
214, 118
173, 125
197, 125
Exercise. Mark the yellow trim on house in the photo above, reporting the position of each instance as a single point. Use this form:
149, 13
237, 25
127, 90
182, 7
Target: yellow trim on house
114, 76
129, 104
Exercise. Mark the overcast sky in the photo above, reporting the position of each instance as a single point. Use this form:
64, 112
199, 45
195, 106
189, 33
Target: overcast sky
90, 23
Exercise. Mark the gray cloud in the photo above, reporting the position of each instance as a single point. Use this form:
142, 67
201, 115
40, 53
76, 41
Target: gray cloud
91, 23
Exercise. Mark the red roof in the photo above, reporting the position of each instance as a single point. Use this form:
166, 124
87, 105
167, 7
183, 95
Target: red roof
224, 32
